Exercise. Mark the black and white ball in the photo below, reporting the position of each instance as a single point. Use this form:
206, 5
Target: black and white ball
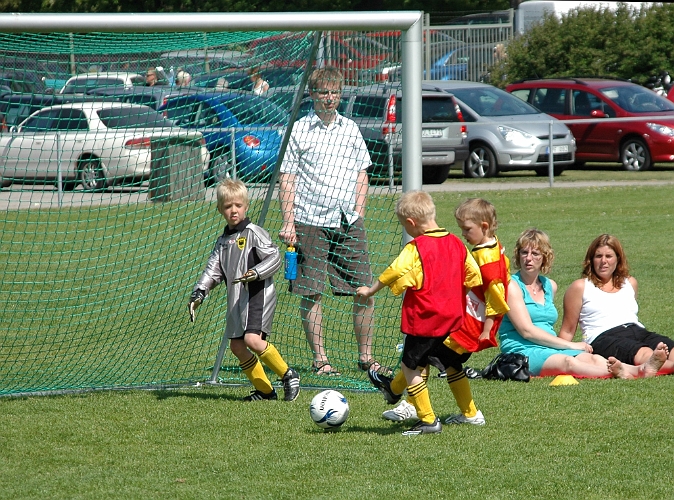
329, 409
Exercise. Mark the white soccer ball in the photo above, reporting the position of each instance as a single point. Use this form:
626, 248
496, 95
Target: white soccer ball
329, 409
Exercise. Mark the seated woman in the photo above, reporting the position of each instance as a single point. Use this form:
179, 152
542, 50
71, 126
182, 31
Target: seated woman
604, 302
527, 327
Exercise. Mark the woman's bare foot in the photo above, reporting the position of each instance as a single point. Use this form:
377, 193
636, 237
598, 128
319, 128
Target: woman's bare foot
651, 367
616, 368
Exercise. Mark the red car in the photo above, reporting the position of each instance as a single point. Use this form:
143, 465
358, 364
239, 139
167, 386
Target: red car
636, 144
361, 59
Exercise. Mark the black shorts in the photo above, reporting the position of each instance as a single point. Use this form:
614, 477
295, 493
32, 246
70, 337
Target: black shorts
448, 358
624, 341
418, 350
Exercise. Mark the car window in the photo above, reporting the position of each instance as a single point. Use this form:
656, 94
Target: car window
121, 118
635, 99
71, 119
19, 112
181, 111
523, 94
433, 110
368, 106
42, 122
550, 100
490, 101
206, 116
584, 103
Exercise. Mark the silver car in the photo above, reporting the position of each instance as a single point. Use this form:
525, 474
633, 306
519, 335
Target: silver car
505, 135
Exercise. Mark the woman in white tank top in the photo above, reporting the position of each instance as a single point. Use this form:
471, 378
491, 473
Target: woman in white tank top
604, 304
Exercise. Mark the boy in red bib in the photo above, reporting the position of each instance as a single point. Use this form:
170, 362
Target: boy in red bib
432, 269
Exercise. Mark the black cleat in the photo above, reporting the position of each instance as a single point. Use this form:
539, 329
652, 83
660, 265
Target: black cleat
291, 385
424, 428
261, 396
383, 383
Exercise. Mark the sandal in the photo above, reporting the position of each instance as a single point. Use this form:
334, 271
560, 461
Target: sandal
324, 369
373, 365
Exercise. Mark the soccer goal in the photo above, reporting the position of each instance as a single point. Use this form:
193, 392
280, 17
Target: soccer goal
115, 130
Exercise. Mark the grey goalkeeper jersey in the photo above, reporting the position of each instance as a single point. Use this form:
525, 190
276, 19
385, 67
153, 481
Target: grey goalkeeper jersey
250, 306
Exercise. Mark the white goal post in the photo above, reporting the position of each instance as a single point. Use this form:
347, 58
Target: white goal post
408, 22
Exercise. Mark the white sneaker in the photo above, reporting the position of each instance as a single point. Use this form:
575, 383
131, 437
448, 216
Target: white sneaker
478, 419
404, 411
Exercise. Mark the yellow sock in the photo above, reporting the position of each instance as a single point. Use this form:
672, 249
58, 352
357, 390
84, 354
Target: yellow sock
252, 368
460, 386
273, 360
419, 397
399, 384
424, 374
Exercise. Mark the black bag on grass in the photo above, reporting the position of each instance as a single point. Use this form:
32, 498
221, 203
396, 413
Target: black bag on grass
510, 366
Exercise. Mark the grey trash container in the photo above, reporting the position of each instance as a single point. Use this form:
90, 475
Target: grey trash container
177, 172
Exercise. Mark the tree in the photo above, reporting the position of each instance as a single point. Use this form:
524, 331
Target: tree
589, 41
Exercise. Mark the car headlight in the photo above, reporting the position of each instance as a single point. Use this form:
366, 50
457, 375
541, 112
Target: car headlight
661, 129
517, 137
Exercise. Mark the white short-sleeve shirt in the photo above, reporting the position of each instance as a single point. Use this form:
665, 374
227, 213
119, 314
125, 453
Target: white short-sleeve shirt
326, 160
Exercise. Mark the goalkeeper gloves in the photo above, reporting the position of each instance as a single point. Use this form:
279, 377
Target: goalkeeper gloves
196, 299
251, 275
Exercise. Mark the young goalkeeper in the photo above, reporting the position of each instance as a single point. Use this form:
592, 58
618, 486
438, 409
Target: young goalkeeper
245, 258
432, 270
485, 306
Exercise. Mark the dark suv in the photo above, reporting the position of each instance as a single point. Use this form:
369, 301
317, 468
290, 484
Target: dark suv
606, 104
377, 110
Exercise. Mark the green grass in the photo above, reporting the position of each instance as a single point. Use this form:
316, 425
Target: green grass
601, 439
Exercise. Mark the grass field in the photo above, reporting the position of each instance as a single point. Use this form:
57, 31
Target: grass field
605, 439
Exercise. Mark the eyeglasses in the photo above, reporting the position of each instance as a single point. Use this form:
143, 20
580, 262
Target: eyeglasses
535, 254
325, 92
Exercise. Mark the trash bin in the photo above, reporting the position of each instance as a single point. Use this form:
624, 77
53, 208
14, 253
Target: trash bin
177, 171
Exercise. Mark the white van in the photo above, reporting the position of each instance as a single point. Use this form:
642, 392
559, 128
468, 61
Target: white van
531, 12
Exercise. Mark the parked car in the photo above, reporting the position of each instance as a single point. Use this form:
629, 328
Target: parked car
95, 144
360, 58
377, 109
243, 132
635, 144
81, 84
153, 96
199, 61
19, 81
505, 133
240, 80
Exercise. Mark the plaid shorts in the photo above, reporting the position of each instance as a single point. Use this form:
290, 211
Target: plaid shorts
338, 253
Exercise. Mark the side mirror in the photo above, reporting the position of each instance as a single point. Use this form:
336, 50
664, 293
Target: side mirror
597, 113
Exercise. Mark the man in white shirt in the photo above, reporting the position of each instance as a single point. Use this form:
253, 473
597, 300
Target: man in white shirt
323, 190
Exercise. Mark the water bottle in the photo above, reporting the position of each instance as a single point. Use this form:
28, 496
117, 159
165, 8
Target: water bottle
291, 263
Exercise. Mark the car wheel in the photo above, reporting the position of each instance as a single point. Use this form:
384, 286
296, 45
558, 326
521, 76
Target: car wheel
634, 155
91, 176
481, 162
543, 171
434, 174
221, 167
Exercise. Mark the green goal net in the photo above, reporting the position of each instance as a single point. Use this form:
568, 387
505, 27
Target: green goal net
110, 150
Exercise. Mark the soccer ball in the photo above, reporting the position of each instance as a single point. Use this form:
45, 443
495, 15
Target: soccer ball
329, 409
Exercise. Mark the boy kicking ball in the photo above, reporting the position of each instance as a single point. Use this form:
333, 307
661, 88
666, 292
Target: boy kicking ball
434, 299
245, 258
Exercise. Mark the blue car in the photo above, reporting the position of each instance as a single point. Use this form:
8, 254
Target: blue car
463, 62
243, 132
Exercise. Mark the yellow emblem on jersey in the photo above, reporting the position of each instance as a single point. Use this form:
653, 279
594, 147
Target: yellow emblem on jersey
241, 242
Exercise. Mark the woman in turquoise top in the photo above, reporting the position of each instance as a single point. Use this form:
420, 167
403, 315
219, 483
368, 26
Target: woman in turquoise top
527, 327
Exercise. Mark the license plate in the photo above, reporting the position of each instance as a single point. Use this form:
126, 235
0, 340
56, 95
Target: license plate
557, 149
428, 133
